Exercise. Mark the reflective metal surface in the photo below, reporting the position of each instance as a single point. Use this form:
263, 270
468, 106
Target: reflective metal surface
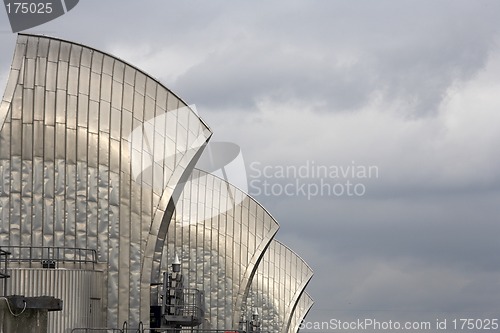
276, 287
220, 234
96, 155
303, 306
91, 151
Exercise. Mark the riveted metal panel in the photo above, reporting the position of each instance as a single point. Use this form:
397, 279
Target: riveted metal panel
73, 78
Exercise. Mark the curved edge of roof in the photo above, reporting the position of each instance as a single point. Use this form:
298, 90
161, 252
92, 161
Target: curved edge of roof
307, 309
116, 58
302, 259
297, 298
239, 189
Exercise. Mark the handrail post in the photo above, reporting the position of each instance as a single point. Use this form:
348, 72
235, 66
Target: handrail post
5, 276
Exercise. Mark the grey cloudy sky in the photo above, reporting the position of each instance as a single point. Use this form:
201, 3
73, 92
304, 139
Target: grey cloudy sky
411, 87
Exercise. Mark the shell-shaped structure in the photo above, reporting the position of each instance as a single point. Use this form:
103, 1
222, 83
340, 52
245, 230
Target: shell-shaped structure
277, 286
92, 151
302, 308
220, 235
97, 174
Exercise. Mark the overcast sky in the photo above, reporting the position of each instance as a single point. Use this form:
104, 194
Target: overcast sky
409, 87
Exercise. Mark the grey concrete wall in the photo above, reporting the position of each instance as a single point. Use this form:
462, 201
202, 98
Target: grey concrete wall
29, 320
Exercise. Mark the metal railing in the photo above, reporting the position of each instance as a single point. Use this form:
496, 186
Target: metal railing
149, 330
50, 256
186, 330
189, 308
105, 330
141, 329
4, 272
124, 329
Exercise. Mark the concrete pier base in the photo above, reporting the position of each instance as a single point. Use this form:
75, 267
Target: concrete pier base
20, 314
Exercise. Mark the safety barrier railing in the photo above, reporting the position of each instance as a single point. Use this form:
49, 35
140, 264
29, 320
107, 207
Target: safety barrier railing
187, 311
105, 330
4, 269
187, 330
142, 329
51, 256
124, 329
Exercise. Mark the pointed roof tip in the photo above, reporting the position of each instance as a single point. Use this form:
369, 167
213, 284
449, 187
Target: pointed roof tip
176, 260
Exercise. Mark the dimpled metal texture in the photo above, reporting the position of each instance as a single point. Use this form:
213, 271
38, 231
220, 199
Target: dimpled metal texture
220, 235
91, 151
276, 288
304, 304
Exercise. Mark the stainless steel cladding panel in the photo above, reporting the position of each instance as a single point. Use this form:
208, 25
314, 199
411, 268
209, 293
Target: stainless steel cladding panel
220, 234
80, 290
91, 151
277, 286
303, 306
